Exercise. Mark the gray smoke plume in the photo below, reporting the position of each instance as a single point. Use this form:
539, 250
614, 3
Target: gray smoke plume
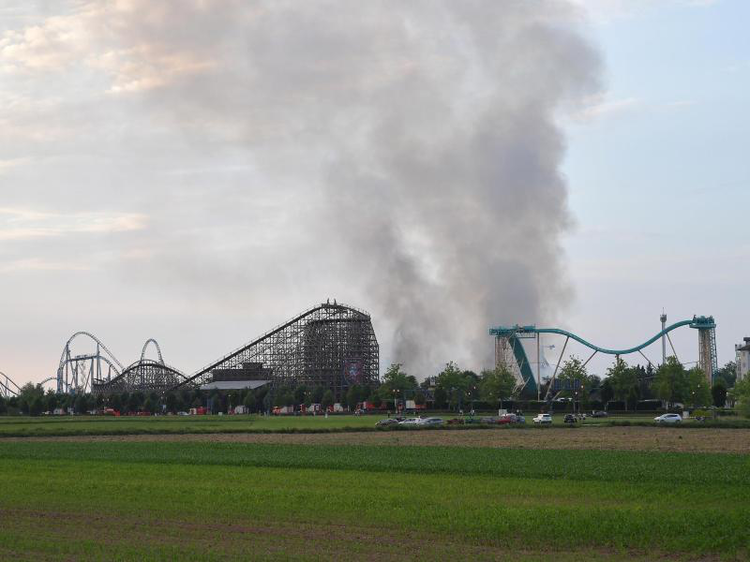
400, 156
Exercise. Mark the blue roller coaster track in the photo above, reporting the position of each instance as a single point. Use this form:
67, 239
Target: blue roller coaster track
510, 336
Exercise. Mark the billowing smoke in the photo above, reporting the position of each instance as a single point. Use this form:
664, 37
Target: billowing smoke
400, 156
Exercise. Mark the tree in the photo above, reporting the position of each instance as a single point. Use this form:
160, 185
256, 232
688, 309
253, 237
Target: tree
29, 392
377, 401
327, 400
671, 382
115, 402
82, 403
632, 400
299, 394
497, 385
151, 405
170, 401
397, 380
728, 373
3, 406
217, 404
454, 382
134, 402
37, 406
317, 394
250, 401
698, 391
622, 378
419, 398
572, 370
352, 397
741, 395
441, 398
719, 393
50, 401
607, 393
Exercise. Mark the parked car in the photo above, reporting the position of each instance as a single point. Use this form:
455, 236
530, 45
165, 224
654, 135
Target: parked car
543, 419
432, 421
599, 414
668, 418
410, 421
387, 422
520, 418
570, 418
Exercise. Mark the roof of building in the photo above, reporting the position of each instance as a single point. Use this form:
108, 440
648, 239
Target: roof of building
233, 385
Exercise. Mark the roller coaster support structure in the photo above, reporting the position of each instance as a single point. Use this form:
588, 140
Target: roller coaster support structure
8, 388
510, 353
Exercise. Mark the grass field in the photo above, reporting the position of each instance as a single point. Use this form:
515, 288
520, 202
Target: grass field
169, 499
18, 426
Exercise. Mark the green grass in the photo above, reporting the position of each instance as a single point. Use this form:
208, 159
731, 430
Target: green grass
16, 426
289, 500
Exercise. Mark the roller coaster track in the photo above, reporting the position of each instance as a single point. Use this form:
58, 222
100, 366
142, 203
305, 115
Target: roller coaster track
286, 334
84, 373
507, 343
8, 388
158, 350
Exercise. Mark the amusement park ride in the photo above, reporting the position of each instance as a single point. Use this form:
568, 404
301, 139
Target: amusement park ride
292, 351
510, 352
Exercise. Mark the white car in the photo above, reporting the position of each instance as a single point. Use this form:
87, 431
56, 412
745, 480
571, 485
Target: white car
543, 418
410, 421
668, 418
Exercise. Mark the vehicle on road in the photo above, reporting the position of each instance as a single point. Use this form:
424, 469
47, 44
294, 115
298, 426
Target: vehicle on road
387, 422
410, 421
431, 421
599, 414
668, 418
543, 419
570, 418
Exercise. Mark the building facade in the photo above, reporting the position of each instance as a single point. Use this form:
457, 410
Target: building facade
742, 351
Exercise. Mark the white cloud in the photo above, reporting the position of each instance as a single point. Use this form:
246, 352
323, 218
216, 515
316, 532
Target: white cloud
599, 106
606, 11
39, 264
22, 224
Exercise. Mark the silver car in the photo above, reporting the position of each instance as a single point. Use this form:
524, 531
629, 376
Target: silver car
432, 421
668, 418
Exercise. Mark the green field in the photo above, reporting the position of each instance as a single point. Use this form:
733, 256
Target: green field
18, 426
167, 500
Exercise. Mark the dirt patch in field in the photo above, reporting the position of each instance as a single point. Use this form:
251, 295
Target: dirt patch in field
708, 440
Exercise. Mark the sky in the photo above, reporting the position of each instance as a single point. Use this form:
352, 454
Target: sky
198, 172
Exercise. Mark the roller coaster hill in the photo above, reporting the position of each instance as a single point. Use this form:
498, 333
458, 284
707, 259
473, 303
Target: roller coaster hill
510, 351
330, 345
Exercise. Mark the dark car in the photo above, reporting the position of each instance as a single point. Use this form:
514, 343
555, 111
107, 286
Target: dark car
387, 422
599, 414
570, 418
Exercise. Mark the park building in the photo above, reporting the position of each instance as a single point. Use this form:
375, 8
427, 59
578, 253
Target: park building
742, 351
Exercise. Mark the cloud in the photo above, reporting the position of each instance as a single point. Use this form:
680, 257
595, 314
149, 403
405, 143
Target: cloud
22, 224
39, 264
598, 106
607, 11
404, 157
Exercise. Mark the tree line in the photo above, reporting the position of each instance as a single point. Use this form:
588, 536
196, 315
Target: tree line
452, 388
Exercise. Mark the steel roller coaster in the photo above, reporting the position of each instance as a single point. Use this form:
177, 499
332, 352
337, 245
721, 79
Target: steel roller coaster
331, 344
100, 371
509, 350
8, 388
